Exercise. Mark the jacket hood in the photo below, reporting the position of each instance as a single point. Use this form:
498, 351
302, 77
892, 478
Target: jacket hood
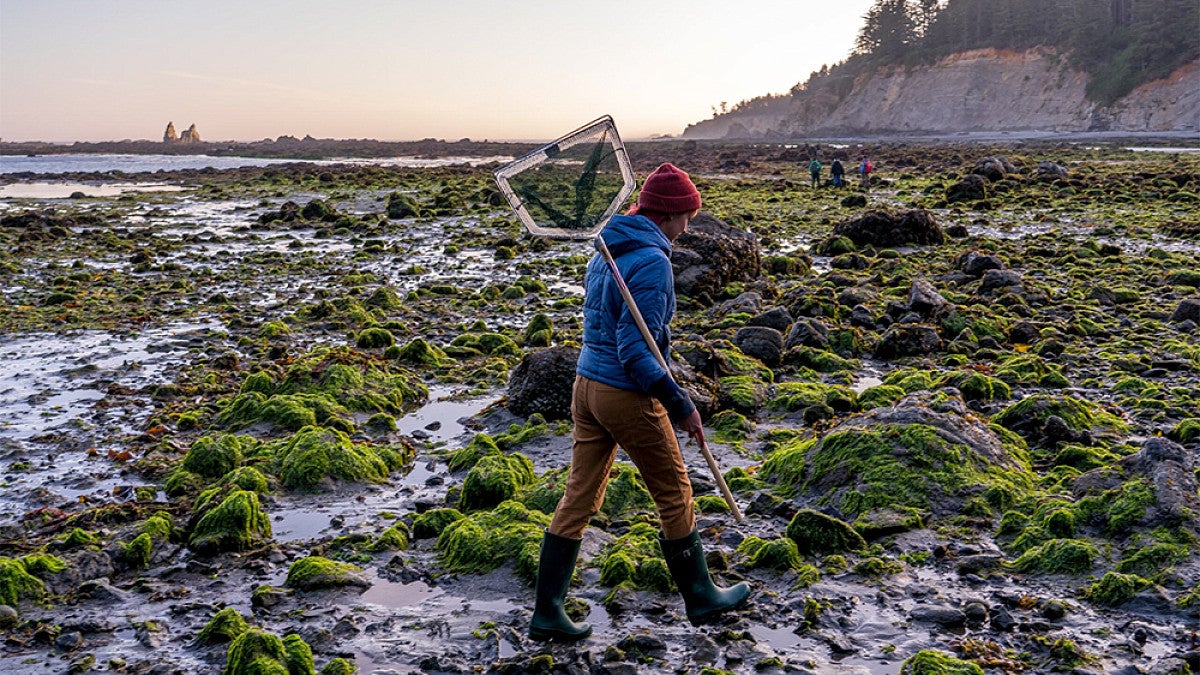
626, 233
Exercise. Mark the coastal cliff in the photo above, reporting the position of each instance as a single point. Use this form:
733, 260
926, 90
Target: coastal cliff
984, 90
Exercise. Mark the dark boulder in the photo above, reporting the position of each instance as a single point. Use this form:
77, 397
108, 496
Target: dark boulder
764, 344
1024, 332
808, 332
924, 299
908, 339
711, 255
1188, 310
970, 188
776, 317
883, 229
993, 168
996, 279
1051, 169
976, 264
542, 383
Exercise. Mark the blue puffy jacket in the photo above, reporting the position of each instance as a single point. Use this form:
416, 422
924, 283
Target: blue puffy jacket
614, 351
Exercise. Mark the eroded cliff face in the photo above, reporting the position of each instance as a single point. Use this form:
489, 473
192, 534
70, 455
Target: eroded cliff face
978, 91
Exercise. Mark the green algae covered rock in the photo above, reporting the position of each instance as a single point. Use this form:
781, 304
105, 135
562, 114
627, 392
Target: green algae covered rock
394, 538
927, 452
299, 656
257, 652
215, 456
421, 353
776, 554
1186, 431
976, 386
260, 382
316, 572
138, 551
539, 332
793, 396
78, 537
878, 523
786, 466
1153, 560
485, 540
225, 626
232, 521
286, 411
814, 532
546, 492
401, 205
246, 478
711, 504
1115, 589
375, 338
934, 662
353, 380
1028, 416
635, 559
385, 297
431, 523
626, 493
1059, 556
18, 580
879, 396
495, 479
469, 455
483, 344
314, 455
339, 666
743, 393
730, 427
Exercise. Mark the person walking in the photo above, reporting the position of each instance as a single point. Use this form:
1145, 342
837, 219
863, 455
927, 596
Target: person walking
838, 172
866, 168
622, 396
814, 168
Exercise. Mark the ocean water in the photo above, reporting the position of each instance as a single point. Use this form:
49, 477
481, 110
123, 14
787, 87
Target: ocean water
10, 164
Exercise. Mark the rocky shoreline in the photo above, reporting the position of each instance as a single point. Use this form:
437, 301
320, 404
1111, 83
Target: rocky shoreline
289, 416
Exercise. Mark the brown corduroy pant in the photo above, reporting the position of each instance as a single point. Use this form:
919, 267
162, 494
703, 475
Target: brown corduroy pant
606, 417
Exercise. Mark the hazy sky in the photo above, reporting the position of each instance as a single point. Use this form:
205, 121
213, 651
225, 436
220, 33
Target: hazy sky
399, 69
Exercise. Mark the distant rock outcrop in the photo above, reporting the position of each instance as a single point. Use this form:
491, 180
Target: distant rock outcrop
190, 135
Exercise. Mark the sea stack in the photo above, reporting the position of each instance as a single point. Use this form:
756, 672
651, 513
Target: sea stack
191, 135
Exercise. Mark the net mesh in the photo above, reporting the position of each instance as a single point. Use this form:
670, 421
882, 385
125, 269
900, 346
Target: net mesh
571, 187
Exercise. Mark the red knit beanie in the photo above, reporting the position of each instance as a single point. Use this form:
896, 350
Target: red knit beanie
669, 190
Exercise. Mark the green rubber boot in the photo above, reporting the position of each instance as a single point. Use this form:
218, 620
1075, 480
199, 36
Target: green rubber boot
703, 599
556, 565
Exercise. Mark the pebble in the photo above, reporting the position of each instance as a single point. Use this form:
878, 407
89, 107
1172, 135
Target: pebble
69, 642
940, 614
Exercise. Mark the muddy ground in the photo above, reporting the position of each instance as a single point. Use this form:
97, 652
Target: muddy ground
133, 323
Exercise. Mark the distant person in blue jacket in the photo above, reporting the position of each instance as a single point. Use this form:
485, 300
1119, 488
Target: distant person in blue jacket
623, 397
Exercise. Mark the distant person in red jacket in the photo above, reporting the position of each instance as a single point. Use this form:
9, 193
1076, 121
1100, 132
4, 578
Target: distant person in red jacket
866, 168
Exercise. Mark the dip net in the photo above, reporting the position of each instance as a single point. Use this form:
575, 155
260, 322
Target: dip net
571, 187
